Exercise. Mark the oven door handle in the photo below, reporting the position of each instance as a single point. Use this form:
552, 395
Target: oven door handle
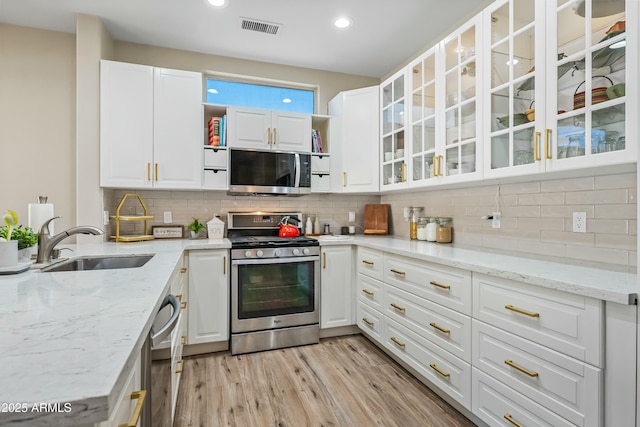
291, 260
297, 178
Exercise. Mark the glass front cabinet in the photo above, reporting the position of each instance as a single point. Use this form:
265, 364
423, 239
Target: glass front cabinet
556, 76
393, 132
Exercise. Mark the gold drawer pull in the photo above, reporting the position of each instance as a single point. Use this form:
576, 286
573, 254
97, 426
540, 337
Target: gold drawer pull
183, 270
395, 340
179, 296
183, 341
521, 369
368, 292
183, 305
367, 262
440, 328
401, 273
224, 265
367, 321
397, 307
509, 418
440, 371
141, 395
181, 368
148, 171
439, 285
521, 311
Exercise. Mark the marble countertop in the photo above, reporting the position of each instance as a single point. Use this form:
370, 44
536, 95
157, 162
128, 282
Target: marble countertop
608, 285
71, 337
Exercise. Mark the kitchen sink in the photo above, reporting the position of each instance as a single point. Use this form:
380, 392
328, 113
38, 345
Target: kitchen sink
107, 262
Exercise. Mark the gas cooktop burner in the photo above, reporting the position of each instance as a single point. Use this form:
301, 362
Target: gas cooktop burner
243, 242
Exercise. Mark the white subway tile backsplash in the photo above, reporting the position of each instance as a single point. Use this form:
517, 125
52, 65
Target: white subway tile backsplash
568, 184
601, 197
541, 199
627, 180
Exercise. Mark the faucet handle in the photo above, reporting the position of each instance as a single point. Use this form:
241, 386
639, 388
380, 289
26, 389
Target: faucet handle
44, 229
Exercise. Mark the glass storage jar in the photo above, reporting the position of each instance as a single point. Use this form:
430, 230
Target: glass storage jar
414, 214
432, 225
443, 232
422, 228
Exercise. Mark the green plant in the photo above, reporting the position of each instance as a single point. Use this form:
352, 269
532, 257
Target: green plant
196, 226
24, 235
11, 219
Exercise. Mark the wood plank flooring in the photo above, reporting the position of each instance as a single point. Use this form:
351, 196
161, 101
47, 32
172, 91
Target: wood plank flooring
343, 381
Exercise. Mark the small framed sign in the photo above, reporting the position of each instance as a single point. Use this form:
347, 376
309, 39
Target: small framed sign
167, 231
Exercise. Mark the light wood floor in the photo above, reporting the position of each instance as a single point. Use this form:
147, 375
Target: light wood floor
344, 381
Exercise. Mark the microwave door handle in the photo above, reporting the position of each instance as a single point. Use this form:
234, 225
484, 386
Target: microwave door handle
297, 178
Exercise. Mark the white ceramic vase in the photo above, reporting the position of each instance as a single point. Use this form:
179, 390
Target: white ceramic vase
9, 253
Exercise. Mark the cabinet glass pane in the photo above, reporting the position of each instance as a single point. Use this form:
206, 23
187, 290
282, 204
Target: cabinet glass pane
398, 88
608, 132
430, 99
387, 147
523, 147
417, 109
418, 137
500, 117
468, 158
468, 124
429, 68
500, 64
571, 137
387, 95
417, 77
451, 88
500, 151
467, 48
523, 13
500, 23
398, 141
398, 116
387, 120
523, 52
452, 161
571, 31
452, 50
452, 126
417, 168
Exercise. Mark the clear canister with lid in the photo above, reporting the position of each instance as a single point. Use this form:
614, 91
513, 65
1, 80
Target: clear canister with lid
432, 225
422, 228
444, 230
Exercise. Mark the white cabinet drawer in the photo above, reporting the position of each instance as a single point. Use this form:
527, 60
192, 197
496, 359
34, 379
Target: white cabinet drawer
215, 158
321, 183
370, 321
440, 325
369, 262
498, 405
451, 374
320, 164
571, 324
450, 287
215, 179
560, 383
369, 291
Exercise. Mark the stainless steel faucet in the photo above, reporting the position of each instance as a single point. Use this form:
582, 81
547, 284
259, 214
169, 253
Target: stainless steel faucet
46, 242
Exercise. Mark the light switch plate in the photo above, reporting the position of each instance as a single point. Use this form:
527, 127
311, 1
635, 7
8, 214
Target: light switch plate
105, 218
168, 218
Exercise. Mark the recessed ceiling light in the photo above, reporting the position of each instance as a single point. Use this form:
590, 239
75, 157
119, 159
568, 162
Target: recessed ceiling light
287, 100
343, 22
218, 3
213, 91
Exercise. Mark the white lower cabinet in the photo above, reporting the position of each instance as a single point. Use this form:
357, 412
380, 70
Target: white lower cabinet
208, 296
370, 321
336, 287
124, 409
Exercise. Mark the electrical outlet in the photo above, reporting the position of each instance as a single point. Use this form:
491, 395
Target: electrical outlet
352, 217
579, 222
105, 218
495, 222
168, 218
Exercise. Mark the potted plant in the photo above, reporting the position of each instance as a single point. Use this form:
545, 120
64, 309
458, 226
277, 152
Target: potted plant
27, 239
9, 247
196, 228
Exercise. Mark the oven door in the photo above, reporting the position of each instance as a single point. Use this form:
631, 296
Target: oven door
274, 293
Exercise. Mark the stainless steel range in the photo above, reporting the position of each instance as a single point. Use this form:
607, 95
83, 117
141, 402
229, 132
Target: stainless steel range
275, 284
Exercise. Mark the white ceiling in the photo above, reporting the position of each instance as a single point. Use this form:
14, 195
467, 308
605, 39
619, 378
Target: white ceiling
384, 34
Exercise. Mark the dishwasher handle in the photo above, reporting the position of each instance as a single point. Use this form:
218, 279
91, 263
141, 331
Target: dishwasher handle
167, 328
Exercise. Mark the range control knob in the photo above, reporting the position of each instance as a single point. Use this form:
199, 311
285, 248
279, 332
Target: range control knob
305, 251
296, 251
259, 253
247, 254
277, 253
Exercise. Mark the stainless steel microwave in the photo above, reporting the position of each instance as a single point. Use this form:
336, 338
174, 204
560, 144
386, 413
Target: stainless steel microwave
257, 172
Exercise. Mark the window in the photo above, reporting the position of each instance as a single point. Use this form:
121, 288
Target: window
238, 94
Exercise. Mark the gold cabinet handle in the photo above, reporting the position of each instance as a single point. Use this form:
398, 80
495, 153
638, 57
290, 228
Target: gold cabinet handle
404, 175
440, 328
397, 307
183, 340
440, 371
179, 296
521, 311
183, 305
269, 136
148, 171
547, 142
275, 136
183, 270
181, 368
434, 161
368, 292
521, 369
401, 273
536, 146
509, 418
439, 285
140, 395
398, 343
224, 265
324, 260
364, 261
344, 179
440, 166
156, 177
367, 321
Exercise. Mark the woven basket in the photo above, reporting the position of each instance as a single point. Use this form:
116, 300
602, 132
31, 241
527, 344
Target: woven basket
598, 94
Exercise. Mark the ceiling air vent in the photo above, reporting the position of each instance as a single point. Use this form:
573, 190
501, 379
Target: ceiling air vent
260, 26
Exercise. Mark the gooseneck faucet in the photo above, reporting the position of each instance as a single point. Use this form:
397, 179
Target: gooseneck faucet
46, 242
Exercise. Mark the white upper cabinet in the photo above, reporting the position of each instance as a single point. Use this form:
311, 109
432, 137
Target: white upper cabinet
557, 80
268, 130
393, 100
150, 133
354, 141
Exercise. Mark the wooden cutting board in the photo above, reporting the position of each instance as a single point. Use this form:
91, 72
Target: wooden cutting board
376, 219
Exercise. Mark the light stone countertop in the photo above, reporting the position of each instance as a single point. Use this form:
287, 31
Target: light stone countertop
608, 285
71, 337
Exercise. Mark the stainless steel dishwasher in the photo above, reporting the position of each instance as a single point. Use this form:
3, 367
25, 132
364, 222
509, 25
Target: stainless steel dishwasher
156, 337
